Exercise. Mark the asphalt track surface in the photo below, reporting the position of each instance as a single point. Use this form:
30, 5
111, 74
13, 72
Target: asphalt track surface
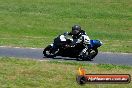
101, 58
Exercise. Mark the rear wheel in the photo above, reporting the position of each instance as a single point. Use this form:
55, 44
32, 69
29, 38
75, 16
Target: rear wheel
49, 52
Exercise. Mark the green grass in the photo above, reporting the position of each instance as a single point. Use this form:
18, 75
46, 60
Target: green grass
20, 73
34, 23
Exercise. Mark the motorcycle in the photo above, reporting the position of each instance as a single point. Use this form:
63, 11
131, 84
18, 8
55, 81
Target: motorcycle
79, 51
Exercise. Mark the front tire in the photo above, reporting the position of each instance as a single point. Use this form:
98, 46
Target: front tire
48, 52
93, 53
88, 56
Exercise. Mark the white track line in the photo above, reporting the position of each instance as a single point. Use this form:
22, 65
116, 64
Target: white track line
43, 48
116, 53
19, 47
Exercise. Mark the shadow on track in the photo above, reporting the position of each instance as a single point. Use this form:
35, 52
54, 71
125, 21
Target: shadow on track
66, 58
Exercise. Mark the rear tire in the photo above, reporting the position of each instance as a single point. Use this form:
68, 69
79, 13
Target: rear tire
48, 52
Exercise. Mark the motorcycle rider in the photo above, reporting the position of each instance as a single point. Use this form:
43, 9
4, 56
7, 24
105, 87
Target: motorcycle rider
77, 36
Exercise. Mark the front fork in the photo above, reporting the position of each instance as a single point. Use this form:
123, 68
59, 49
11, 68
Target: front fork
87, 52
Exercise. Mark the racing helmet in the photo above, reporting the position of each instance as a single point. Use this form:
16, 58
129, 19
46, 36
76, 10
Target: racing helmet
76, 29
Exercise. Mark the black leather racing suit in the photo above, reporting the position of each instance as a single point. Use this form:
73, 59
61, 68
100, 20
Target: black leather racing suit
64, 39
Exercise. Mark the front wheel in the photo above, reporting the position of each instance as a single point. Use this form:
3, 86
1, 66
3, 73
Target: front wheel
49, 52
93, 53
88, 55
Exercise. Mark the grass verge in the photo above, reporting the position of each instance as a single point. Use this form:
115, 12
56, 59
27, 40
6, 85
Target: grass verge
20, 73
34, 23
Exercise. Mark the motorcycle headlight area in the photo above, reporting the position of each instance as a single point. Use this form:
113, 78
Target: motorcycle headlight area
95, 43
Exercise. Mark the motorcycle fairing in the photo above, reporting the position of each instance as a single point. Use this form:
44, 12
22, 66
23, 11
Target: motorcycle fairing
95, 43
